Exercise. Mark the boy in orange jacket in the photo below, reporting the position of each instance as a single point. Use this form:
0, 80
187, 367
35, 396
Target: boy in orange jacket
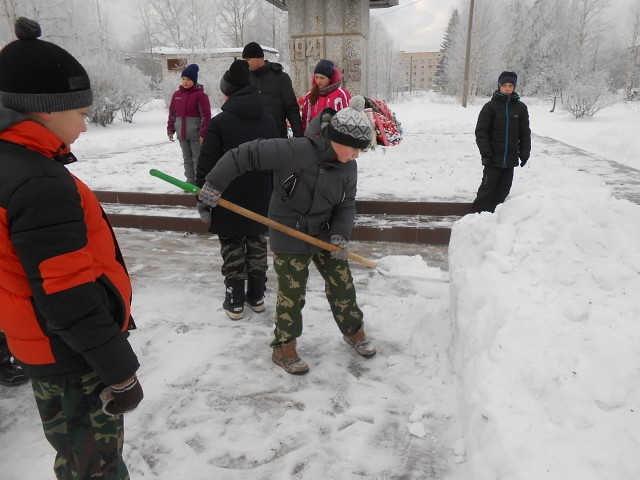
64, 289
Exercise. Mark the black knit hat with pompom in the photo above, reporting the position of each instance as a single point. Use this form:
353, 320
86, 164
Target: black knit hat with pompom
39, 76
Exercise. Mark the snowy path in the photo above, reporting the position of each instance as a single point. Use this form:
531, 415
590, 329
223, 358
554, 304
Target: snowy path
219, 401
215, 401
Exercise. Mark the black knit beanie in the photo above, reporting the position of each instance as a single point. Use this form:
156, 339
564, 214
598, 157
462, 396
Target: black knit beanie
252, 50
325, 67
191, 72
39, 76
508, 77
236, 78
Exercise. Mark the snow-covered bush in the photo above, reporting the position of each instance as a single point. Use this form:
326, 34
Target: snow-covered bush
117, 87
587, 95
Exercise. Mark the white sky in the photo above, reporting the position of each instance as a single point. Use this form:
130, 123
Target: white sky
418, 26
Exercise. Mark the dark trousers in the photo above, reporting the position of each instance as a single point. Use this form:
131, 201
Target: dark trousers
293, 273
88, 442
494, 189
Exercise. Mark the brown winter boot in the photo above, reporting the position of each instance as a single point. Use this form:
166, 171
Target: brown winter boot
285, 356
360, 343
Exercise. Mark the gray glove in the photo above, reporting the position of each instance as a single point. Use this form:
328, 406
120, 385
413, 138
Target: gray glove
205, 212
339, 241
209, 195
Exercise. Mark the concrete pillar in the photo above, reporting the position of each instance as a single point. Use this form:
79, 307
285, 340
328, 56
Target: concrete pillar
337, 30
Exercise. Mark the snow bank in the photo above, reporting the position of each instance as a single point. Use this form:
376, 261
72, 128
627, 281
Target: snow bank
544, 300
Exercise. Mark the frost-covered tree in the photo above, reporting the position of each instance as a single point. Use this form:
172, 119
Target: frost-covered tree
632, 65
117, 89
445, 50
513, 38
268, 25
486, 61
235, 15
178, 23
385, 75
547, 65
587, 30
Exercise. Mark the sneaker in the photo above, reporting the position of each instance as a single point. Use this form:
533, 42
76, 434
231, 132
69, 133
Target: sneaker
285, 356
234, 299
360, 343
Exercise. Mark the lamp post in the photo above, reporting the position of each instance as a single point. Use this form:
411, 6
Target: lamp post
467, 60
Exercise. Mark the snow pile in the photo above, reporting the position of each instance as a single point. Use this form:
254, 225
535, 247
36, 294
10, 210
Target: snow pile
544, 300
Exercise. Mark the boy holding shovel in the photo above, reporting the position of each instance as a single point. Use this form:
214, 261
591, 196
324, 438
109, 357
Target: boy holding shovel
314, 189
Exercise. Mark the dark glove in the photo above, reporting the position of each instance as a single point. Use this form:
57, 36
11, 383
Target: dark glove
523, 162
209, 195
205, 212
339, 241
122, 397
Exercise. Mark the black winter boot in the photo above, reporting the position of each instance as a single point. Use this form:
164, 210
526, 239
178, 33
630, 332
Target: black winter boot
256, 286
234, 298
11, 374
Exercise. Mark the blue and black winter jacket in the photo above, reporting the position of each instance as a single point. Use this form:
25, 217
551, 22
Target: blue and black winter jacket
503, 134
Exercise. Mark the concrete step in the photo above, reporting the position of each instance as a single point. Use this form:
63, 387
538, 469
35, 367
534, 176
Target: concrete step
406, 222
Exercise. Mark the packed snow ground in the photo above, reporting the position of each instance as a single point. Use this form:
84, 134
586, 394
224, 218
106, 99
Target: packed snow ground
525, 366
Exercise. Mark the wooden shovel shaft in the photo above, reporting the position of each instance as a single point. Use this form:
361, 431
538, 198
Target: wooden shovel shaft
189, 187
293, 232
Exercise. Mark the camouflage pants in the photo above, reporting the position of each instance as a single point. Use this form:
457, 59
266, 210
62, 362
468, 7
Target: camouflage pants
293, 272
243, 256
88, 442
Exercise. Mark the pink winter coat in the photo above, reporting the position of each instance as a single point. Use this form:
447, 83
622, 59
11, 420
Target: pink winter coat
336, 99
189, 113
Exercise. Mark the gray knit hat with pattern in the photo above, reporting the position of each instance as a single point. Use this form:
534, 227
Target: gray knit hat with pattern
351, 126
39, 76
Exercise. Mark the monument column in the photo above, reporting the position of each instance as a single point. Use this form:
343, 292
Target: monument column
337, 30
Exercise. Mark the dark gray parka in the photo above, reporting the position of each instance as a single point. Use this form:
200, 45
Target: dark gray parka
312, 191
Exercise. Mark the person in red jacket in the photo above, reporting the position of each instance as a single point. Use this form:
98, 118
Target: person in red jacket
326, 92
189, 115
64, 288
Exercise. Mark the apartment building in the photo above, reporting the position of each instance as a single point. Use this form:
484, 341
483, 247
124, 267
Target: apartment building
419, 70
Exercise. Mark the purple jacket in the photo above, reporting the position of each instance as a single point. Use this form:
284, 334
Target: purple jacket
189, 113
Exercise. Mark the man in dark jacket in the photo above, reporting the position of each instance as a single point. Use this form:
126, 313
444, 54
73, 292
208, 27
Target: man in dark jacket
276, 90
65, 293
315, 183
243, 243
503, 137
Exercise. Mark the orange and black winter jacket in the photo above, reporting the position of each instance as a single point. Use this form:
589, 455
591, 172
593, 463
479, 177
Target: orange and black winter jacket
65, 294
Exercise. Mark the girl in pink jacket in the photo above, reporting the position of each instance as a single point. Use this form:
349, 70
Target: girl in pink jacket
326, 91
189, 115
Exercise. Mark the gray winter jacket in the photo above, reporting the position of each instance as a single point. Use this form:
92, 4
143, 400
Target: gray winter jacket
312, 192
